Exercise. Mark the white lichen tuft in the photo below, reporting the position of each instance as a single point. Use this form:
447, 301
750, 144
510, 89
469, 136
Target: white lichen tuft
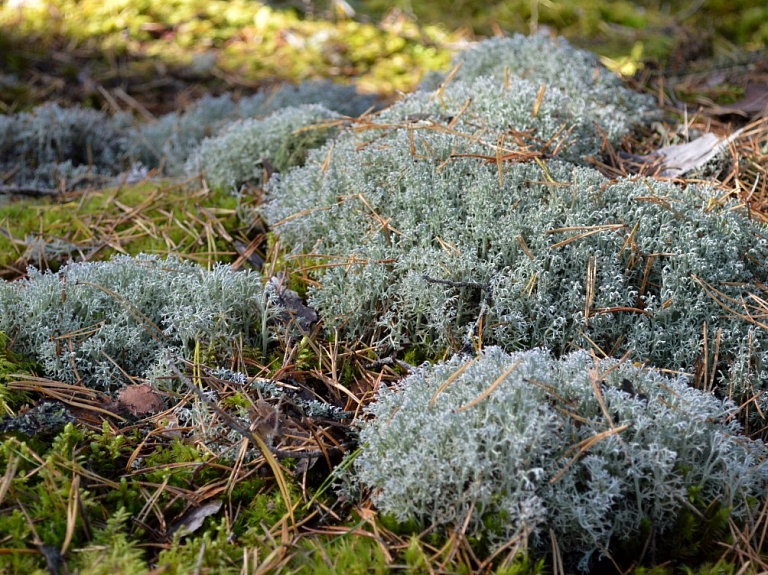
525, 254
93, 323
246, 149
583, 449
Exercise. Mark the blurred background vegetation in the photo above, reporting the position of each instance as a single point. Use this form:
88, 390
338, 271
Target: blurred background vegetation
153, 57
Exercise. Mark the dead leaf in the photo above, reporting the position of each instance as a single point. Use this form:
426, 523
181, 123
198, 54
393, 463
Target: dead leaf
140, 399
193, 519
265, 420
753, 105
168, 426
291, 302
674, 161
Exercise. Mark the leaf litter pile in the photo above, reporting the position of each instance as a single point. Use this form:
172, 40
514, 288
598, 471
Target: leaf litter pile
234, 451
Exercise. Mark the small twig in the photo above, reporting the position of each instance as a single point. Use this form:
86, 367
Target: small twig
241, 429
389, 361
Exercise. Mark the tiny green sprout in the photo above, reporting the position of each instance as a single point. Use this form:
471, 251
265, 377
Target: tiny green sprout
305, 359
67, 441
694, 492
414, 555
236, 400
107, 443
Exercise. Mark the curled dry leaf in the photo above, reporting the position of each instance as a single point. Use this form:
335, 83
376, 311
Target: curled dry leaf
679, 159
753, 105
193, 519
167, 425
140, 399
265, 420
291, 302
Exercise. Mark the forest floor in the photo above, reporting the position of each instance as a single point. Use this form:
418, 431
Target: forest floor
77, 496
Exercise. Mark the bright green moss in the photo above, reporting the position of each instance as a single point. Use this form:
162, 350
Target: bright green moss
250, 39
150, 217
346, 554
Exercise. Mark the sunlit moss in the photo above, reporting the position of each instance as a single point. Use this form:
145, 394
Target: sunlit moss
250, 39
150, 217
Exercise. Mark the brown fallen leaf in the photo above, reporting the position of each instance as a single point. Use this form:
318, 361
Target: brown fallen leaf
265, 420
140, 399
291, 302
753, 105
167, 425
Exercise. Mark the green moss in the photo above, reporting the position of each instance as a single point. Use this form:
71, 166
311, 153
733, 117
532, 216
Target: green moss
354, 555
416, 355
11, 363
41, 481
210, 552
268, 508
112, 550
125, 495
108, 446
235, 401
524, 564
149, 217
179, 452
391, 523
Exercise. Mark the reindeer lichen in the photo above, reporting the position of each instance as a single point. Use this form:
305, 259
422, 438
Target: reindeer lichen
433, 226
98, 322
248, 149
581, 450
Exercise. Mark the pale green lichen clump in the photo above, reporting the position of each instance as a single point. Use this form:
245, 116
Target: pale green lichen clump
593, 93
539, 456
172, 140
95, 323
248, 149
535, 254
53, 146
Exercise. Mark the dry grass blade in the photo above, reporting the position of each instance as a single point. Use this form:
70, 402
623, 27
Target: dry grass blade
12, 465
596, 381
26, 382
67, 393
746, 548
539, 100
511, 548
590, 286
440, 92
620, 309
254, 437
584, 445
576, 237
454, 376
493, 386
71, 512
557, 558
279, 476
716, 295
525, 248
